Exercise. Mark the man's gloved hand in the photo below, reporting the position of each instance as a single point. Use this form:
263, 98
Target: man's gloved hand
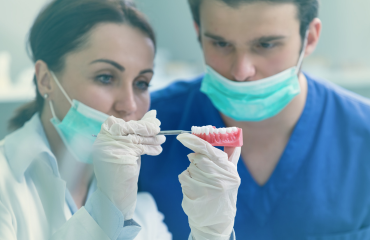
117, 152
210, 187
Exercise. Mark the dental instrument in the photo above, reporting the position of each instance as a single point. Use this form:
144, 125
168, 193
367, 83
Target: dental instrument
170, 132
222, 137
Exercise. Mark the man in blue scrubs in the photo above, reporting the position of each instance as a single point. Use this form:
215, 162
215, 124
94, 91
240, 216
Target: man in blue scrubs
305, 163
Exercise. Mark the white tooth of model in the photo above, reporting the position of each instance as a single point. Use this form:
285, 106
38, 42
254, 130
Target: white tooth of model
206, 131
229, 130
235, 129
211, 130
222, 130
198, 130
192, 129
217, 131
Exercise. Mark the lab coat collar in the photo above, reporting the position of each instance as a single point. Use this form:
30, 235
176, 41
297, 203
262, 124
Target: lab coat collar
24, 145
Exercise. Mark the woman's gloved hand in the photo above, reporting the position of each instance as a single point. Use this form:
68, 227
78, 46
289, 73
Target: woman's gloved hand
210, 187
117, 152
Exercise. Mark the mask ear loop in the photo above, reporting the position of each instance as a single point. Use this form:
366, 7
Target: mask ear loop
51, 105
61, 88
65, 94
301, 57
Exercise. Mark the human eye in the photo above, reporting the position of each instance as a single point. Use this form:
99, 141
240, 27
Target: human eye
141, 85
104, 79
221, 44
265, 45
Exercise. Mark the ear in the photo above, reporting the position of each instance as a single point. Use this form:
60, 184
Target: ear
313, 37
45, 84
196, 26
197, 30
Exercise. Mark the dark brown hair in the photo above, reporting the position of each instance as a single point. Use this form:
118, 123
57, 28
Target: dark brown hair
62, 27
307, 9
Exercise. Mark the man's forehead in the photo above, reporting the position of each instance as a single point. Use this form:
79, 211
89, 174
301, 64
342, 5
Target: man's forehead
256, 19
240, 4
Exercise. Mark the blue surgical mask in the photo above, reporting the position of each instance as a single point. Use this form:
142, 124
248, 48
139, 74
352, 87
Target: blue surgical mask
78, 126
255, 100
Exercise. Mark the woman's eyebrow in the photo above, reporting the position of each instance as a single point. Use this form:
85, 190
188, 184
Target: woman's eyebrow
113, 63
147, 71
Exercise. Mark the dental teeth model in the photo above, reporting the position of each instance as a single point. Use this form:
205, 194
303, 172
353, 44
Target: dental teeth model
226, 137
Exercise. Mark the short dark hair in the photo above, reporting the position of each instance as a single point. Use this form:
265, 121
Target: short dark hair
62, 27
307, 9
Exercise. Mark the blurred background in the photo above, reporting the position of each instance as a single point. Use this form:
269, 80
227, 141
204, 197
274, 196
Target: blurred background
341, 57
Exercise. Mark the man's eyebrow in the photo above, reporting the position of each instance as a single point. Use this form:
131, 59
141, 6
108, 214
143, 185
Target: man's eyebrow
113, 63
268, 38
260, 39
214, 37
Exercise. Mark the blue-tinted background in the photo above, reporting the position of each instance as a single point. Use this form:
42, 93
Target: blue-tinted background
342, 55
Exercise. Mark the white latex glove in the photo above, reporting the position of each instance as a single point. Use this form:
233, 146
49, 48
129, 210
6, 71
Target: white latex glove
117, 152
210, 187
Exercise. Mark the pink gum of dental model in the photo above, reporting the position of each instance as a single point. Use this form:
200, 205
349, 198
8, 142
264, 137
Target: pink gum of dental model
222, 137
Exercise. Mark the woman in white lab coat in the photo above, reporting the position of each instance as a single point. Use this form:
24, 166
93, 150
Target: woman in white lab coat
94, 59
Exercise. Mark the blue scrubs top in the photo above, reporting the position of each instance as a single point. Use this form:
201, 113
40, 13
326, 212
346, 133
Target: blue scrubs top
320, 188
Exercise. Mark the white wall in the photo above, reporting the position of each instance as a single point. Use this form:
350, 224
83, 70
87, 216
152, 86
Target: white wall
172, 22
16, 18
346, 31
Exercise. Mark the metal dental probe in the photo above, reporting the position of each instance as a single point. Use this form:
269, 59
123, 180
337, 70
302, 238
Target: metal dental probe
171, 132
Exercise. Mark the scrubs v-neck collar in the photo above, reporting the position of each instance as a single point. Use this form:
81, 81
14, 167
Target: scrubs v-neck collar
261, 200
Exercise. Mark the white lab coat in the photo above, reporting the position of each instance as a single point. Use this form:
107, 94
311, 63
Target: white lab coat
32, 195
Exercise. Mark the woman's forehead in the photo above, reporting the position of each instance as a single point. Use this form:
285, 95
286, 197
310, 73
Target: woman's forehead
117, 42
117, 37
